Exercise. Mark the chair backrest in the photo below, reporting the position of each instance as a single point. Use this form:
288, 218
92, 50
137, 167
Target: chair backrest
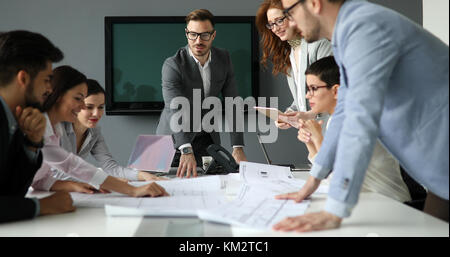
416, 190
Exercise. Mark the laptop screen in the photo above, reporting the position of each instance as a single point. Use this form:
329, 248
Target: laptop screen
152, 153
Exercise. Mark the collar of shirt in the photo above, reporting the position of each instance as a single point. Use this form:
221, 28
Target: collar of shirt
53, 133
68, 127
205, 73
198, 62
341, 15
10, 117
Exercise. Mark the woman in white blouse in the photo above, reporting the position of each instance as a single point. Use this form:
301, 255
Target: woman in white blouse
63, 105
84, 138
383, 174
290, 54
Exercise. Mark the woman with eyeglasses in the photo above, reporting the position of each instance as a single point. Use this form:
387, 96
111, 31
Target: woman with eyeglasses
383, 174
290, 54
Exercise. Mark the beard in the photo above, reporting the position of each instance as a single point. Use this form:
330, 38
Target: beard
312, 33
30, 98
202, 52
312, 36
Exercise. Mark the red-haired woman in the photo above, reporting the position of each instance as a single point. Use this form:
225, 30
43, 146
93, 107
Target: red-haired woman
291, 55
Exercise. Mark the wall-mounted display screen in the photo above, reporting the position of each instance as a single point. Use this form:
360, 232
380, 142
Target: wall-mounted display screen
136, 48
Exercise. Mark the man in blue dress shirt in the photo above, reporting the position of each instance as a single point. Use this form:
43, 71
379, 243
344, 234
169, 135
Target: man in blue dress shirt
25, 72
394, 86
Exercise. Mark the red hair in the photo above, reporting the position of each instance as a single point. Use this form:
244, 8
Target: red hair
273, 47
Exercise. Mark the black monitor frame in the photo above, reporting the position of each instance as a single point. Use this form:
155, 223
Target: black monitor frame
136, 108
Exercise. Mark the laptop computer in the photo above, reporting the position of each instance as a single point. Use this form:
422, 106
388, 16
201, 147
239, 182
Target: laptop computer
152, 153
305, 167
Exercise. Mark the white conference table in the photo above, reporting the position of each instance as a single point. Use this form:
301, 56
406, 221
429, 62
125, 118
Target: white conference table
375, 215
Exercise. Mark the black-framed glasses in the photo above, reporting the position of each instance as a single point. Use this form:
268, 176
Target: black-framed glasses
286, 12
278, 23
312, 89
205, 36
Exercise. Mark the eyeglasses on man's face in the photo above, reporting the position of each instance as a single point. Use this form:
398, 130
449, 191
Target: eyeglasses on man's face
287, 11
277, 22
311, 89
205, 36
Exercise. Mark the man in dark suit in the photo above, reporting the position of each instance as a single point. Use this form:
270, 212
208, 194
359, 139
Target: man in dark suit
25, 72
195, 72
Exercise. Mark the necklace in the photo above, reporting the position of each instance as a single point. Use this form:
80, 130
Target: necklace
295, 42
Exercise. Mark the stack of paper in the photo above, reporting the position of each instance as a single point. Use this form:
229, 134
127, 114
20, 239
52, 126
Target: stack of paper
252, 202
186, 197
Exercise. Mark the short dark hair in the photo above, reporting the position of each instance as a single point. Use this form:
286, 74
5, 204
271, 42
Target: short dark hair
94, 87
24, 50
64, 79
326, 69
200, 15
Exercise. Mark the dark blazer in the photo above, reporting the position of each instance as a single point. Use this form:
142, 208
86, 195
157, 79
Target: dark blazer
180, 76
16, 174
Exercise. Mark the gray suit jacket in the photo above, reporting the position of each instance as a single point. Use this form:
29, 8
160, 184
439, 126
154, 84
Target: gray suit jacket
180, 76
311, 52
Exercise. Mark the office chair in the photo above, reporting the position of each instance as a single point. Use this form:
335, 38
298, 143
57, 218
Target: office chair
416, 190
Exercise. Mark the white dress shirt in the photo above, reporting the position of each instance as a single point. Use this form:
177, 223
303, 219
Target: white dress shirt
205, 73
298, 76
55, 157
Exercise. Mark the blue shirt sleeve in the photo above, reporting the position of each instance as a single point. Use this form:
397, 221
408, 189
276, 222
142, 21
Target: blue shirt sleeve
367, 54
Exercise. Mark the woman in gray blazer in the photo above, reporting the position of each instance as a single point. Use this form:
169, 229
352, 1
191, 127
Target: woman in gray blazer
84, 138
290, 55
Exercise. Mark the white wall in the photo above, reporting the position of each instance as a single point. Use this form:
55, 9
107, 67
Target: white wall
435, 18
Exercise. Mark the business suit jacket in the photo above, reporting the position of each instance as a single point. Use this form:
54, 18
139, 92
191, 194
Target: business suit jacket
16, 174
310, 53
180, 76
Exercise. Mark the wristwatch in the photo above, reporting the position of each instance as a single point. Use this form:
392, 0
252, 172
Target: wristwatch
187, 150
28, 142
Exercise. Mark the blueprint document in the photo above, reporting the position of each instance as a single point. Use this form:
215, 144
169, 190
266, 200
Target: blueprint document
275, 179
255, 205
254, 208
186, 197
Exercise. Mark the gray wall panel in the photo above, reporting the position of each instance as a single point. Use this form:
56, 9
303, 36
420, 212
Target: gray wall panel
77, 28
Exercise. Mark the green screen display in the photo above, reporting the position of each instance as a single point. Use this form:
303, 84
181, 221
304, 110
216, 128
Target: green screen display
138, 51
